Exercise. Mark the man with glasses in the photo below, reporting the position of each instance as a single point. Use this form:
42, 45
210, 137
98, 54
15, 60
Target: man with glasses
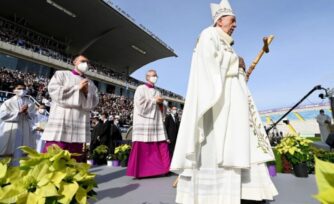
73, 97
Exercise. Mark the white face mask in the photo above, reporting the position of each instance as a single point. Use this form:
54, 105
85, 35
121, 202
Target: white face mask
173, 112
20, 93
83, 67
153, 79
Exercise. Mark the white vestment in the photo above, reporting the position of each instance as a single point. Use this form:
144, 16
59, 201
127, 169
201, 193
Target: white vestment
148, 125
323, 126
69, 119
222, 146
15, 127
39, 122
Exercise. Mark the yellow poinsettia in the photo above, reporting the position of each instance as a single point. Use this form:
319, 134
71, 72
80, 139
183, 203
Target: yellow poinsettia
122, 152
52, 177
295, 148
324, 172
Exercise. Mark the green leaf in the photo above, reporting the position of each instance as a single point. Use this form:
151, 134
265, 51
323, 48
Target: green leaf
10, 194
81, 196
57, 177
32, 153
48, 190
68, 190
34, 198
3, 170
326, 197
324, 172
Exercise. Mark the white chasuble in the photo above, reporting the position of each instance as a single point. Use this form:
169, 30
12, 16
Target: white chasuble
221, 139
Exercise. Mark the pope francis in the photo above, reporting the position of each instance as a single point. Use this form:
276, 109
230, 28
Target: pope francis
222, 146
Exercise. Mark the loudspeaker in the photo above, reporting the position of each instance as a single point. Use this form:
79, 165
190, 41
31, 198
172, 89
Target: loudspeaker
330, 140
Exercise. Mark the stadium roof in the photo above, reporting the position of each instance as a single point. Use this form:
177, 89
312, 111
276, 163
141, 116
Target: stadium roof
95, 28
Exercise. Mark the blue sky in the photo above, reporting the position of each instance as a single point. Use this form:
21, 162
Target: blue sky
301, 55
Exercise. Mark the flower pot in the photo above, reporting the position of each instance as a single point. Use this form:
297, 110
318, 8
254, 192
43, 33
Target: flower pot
115, 163
109, 163
90, 162
272, 170
124, 163
300, 170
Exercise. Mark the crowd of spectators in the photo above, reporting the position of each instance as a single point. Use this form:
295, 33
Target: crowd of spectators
118, 108
36, 85
19, 35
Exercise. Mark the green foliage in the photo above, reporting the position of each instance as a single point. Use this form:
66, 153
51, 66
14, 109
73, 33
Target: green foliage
324, 172
278, 159
52, 178
323, 155
314, 139
122, 152
100, 150
295, 148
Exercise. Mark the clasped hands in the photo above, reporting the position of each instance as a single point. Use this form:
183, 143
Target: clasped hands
159, 99
83, 86
24, 109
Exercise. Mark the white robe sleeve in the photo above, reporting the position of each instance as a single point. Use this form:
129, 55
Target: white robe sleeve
92, 98
63, 94
146, 106
6, 115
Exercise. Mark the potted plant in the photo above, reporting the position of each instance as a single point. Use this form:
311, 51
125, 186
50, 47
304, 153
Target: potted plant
51, 177
122, 153
112, 160
297, 151
90, 160
99, 154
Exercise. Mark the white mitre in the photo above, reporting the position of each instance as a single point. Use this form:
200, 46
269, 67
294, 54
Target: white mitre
221, 9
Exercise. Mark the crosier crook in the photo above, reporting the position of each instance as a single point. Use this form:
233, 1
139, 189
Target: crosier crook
265, 49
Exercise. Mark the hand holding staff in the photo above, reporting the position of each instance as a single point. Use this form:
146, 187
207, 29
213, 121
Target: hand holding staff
265, 49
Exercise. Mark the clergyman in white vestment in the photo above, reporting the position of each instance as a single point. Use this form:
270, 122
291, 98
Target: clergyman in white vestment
324, 121
222, 146
73, 97
149, 154
16, 116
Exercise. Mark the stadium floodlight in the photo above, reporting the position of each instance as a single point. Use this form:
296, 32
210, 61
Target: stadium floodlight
61, 8
141, 51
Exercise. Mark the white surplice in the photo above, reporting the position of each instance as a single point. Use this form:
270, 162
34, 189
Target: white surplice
40, 121
148, 123
222, 145
69, 119
15, 127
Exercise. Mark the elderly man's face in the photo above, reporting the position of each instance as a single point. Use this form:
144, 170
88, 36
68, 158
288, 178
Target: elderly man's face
228, 24
151, 74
